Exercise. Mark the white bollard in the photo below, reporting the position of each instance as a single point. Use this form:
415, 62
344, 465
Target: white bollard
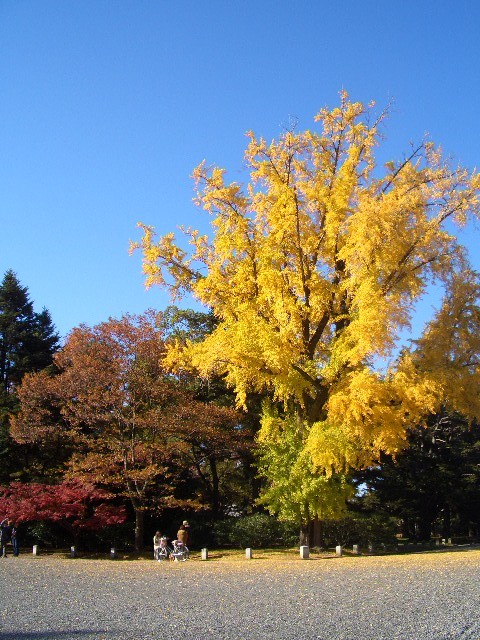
73, 552
248, 553
356, 549
304, 552
35, 550
204, 554
338, 550
113, 553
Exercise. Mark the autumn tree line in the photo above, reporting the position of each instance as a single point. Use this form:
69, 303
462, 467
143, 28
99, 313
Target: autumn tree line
293, 396
105, 432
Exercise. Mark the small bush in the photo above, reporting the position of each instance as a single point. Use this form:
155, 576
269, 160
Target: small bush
119, 535
261, 530
361, 530
45, 533
258, 530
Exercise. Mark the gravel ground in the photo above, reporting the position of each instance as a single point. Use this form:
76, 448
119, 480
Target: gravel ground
433, 596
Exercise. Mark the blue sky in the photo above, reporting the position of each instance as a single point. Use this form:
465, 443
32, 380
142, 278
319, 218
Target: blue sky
106, 107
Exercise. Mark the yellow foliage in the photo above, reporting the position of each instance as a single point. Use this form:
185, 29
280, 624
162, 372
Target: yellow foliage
313, 269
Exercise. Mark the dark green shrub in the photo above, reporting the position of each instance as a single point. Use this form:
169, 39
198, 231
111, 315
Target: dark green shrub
120, 536
258, 530
222, 531
47, 534
359, 529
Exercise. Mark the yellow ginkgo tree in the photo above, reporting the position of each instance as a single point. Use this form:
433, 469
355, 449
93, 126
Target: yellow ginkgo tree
313, 269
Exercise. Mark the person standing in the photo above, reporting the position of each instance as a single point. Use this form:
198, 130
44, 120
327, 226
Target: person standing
16, 549
182, 533
5, 536
157, 543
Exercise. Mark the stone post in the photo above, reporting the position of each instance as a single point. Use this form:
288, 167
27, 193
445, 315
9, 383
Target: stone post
113, 553
356, 549
304, 552
73, 552
338, 550
35, 550
204, 554
248, 553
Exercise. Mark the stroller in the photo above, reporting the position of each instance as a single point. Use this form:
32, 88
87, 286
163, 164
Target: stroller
180, 551
163, 552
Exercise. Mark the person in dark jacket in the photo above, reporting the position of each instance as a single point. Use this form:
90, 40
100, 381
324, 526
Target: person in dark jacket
16, 549
5, 536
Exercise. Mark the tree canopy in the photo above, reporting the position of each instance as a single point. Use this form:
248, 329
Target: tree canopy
313, 269
116, 419
75, 506
433, 484
27, 339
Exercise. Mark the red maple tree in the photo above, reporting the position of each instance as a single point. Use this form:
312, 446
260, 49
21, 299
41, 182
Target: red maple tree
73, 505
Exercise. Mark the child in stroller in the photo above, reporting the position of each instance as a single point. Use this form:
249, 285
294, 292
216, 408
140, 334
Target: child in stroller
180, 551
161, 550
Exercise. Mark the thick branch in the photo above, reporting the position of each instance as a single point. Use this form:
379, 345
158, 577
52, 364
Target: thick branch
318, 334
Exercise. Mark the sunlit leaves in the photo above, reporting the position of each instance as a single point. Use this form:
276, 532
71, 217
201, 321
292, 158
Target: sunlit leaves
313, 270
73, 505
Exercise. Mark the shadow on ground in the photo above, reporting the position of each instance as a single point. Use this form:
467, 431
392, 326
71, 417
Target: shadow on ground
57, 635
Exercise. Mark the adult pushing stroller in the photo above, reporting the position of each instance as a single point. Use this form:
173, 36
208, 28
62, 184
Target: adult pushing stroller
179, 552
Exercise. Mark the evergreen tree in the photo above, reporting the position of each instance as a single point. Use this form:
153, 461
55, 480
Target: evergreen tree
28, 341
433, 486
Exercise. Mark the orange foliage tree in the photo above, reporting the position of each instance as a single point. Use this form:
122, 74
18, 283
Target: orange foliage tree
118, 413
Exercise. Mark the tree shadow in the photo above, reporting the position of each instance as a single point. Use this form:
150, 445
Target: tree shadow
78, 634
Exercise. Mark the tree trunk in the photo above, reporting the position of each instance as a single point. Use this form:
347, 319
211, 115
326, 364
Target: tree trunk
139, 526
446, 526
76, 538
424, 531
251, 477
316, 536
305, 535
215, 486
407, 528
311, 534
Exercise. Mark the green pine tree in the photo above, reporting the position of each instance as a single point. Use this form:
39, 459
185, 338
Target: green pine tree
28, 341
433, 486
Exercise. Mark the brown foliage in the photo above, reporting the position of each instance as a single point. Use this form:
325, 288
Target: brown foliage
124, 421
